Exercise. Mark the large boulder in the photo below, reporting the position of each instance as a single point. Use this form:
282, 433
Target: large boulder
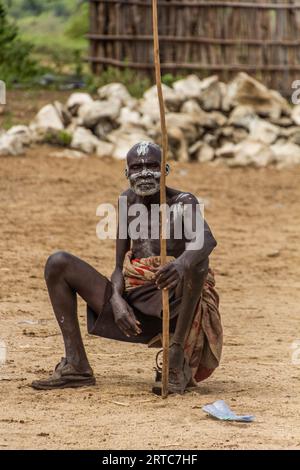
47, 121
21, 132
172, 98
263, 131
63, 112
245, 90
199, 116
117, 91
84, 140
242, 116
92, 114
105, 149
246, 153
207, 92
124, 138
185, 122
129, 116
210, 97
150, 112
202, 152
76, 100
11, 145
189, 87
286, 154
253, 153
296, 115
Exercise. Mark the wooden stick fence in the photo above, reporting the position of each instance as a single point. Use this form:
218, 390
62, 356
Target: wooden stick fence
262, 38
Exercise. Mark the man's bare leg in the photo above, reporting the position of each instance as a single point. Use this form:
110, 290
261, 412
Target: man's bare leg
66, 276
192, 288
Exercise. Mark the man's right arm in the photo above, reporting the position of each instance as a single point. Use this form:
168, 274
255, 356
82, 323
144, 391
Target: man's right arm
123, 313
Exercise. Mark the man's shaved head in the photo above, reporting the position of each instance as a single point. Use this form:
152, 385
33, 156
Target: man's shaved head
143, 150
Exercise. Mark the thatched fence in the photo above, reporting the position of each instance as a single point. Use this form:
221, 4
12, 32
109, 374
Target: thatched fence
223, 37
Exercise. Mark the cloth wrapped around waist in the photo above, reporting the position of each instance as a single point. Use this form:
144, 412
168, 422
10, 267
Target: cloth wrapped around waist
203, 345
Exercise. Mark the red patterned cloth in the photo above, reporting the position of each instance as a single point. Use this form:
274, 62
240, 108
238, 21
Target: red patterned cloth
204, 342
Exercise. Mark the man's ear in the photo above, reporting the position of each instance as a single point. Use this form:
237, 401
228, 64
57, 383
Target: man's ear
168, 169
126, 172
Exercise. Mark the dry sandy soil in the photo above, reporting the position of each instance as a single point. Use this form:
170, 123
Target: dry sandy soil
49, 204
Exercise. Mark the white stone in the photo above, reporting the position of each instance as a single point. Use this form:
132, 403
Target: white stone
78, 99
263, 131
226, 151
189, 87
46, 120
11, 145
253, 153
178, 148
128, 116
210, 96
149, 111
217, 117
92, 114
296, 115
124, 138
286, 154
64, 114
205, 153
245, 90
116, 91
84, 140
185, 122
104, 149
172, 98
22, 132
242, 116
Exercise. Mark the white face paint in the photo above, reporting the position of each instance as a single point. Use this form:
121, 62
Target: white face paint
145, 182
143, 148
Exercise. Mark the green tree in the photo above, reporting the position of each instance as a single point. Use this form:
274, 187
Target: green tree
16, 64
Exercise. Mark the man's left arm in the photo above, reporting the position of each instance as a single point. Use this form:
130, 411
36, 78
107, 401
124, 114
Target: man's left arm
200, 242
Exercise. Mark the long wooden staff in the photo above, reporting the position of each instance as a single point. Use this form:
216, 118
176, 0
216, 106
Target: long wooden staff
163, 241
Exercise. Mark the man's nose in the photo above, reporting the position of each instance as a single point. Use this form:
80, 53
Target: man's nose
146, 172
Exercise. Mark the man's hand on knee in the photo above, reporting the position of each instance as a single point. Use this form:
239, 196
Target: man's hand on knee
124, 317
169, 275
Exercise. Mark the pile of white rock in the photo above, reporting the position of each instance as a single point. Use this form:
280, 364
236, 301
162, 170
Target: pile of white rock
240, 123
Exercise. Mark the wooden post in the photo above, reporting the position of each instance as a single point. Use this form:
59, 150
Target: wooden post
163, 241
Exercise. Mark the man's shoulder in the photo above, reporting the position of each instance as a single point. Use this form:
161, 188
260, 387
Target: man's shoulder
184, 197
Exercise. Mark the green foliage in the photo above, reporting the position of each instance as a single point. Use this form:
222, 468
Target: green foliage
16, 63
168, 79
60, 138
78, 24
23, 8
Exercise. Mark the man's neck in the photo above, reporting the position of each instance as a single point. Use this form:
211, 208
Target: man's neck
148, 200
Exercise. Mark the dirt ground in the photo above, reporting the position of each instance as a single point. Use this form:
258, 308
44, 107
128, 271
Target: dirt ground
48, 204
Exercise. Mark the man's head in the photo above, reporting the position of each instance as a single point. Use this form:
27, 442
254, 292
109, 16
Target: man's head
144, 168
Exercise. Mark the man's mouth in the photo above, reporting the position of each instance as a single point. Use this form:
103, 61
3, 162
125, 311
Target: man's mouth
145, 184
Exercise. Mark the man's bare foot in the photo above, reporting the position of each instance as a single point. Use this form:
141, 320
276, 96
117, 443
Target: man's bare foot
65, 375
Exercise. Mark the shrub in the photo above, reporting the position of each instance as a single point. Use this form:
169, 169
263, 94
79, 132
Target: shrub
16, 64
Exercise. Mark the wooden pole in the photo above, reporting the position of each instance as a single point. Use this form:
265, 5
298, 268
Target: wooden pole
163, 241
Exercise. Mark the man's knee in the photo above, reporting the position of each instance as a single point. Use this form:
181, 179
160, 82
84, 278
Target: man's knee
56, 264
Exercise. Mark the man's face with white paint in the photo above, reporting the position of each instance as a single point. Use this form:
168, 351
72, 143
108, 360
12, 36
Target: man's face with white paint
143, 169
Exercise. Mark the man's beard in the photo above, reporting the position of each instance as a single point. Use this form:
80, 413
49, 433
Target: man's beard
145, 186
